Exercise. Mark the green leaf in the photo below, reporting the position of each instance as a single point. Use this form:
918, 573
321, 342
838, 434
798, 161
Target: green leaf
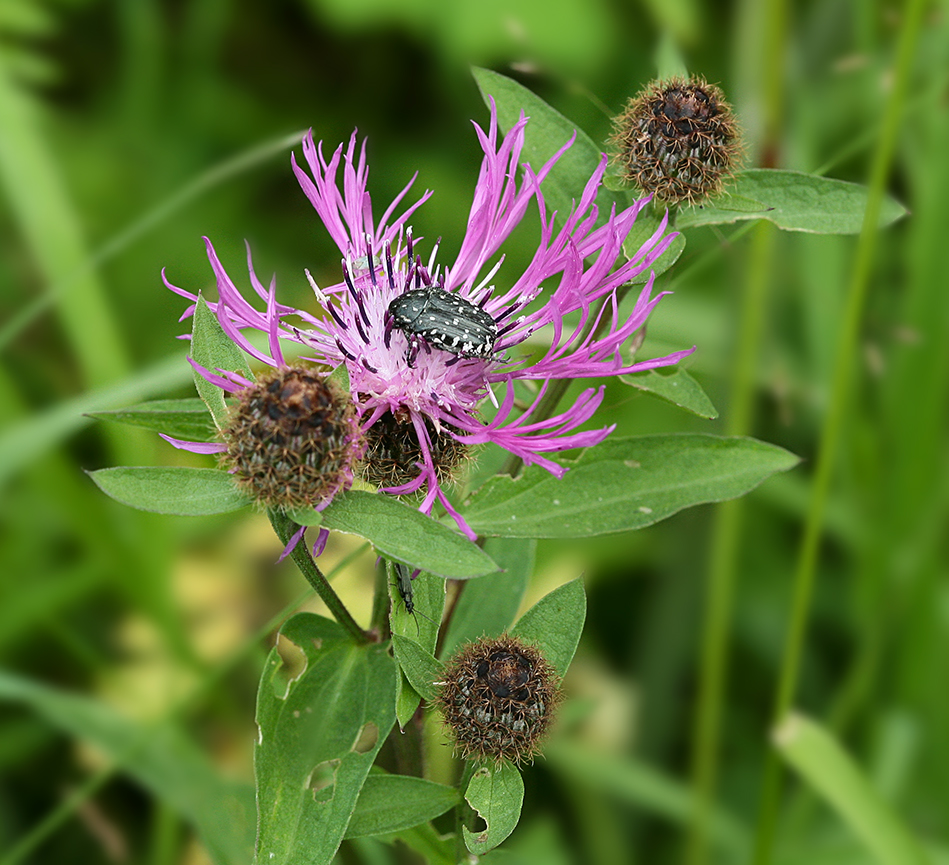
488, 605
820, 760
679, 388
401, 533
793, 201
646, 224
172, 489
390, 803
546, 133
213, 349
554, 624
421, 667
496, 793
624, 483
305, 516
319, 735
421, 627
186, 419
160, 757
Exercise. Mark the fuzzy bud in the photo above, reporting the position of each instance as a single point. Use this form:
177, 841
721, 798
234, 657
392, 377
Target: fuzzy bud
499, 699
677, 140
292, 439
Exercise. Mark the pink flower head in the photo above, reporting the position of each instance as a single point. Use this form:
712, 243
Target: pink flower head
396, 371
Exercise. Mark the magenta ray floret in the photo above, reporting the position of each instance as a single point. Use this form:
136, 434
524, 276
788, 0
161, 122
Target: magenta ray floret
380, 261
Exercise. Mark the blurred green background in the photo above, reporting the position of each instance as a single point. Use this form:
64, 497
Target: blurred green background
130, 128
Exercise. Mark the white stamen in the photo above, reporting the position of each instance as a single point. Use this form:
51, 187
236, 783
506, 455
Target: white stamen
487, 279
492, 397
322, 298
431, 258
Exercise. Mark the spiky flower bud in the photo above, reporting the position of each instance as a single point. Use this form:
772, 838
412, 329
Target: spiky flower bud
292, 438
393, 451
677, 140
498, 699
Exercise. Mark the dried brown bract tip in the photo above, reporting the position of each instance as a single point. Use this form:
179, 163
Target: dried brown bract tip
499, 699
291, 439
677, 140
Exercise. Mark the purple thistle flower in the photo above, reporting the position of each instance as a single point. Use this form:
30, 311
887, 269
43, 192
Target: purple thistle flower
416, 380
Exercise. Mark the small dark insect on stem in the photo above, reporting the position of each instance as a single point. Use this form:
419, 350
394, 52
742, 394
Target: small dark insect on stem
285, 527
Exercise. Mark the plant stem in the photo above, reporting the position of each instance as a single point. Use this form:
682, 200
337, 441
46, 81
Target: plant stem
834, 421
285, 527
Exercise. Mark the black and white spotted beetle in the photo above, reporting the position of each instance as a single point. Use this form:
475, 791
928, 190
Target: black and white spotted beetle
439, 319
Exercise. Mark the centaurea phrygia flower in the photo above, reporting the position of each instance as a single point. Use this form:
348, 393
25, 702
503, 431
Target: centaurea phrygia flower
400, 382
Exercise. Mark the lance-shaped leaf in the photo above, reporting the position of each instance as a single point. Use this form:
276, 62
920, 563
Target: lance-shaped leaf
391, 803
402, 534
172, 489
624, 483
791, 200
319, 734
546, 133
186, 419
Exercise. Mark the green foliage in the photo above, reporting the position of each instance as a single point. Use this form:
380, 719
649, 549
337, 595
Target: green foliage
404, 535
319, 734
791, 200
119, 154
488, 605
677, 387
390, 803
547, 133
554, 624
496, 792
172, 490
624, 484
185, 419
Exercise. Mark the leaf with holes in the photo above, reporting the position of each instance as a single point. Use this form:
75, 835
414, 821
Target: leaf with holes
496, 793
319, 734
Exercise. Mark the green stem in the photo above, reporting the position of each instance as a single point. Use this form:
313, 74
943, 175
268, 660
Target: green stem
285, 527
834, 421
723, 556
